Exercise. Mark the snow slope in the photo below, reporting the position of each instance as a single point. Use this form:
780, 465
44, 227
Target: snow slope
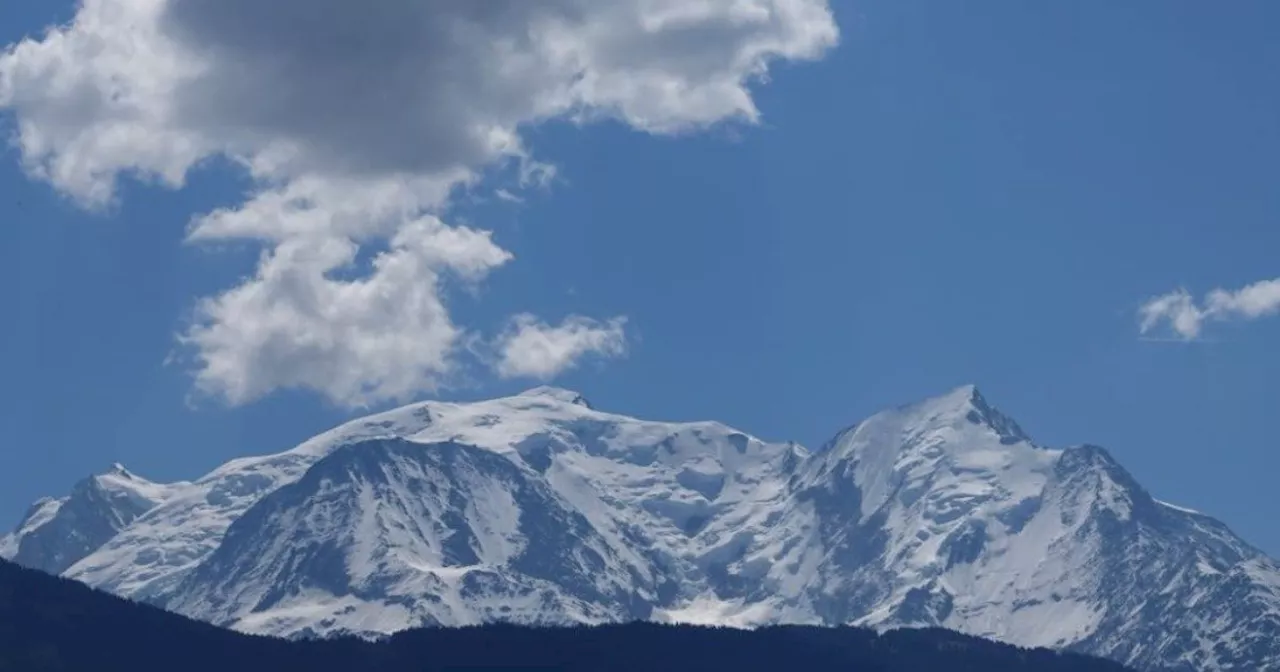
539, 509
56, 533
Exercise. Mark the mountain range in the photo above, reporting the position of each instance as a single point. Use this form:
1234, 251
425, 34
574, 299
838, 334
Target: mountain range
539, 509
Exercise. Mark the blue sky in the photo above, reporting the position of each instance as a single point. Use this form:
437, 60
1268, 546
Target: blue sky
984, 193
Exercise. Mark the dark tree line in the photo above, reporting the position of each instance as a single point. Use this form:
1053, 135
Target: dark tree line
50, 624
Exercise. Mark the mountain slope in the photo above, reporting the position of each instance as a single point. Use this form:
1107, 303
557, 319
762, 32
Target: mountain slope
49, 624
460, 535
962, 522
56, 533
539, 509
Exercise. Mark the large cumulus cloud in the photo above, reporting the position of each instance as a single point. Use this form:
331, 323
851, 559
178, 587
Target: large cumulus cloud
356, 121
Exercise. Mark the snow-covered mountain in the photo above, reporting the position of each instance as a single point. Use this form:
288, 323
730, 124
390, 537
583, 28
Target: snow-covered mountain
539, 509
57, 533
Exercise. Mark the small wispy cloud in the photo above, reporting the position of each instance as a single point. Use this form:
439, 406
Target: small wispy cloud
1185, 318
531, 348
504, 195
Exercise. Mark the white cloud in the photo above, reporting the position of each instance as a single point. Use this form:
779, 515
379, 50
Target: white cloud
531, 348
357, 121
386, 335
505, 195
1187, 319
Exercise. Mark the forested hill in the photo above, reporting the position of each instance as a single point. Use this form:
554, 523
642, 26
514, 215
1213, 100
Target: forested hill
48, 623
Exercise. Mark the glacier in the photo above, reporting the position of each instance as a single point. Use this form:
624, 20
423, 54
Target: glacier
540, 509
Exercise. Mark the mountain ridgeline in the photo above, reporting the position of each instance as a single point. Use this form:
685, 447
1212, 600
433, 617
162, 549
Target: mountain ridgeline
540, 510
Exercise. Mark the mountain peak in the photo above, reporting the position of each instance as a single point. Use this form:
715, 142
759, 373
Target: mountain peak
557, 393
117, 477
969, 400
969, 390
118, 469
963, 397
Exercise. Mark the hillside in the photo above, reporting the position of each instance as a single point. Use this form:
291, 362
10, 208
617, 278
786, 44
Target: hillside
48, 624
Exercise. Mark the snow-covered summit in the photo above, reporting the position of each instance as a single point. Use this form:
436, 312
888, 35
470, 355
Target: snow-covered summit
538, 508
557, 393
671, 465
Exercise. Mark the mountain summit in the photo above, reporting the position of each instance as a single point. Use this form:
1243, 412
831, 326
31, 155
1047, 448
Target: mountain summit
538, 508
557, 393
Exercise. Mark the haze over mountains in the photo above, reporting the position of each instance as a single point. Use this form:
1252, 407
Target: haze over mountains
538, 509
